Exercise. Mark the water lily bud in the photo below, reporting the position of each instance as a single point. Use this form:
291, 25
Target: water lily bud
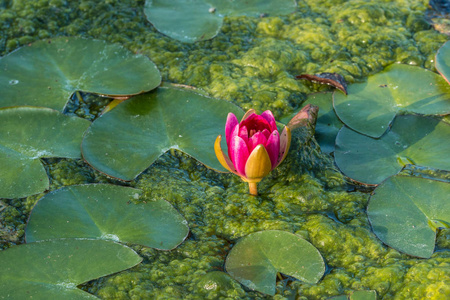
255, 147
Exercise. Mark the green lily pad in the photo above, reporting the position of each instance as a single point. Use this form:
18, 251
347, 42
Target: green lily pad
48, 72
371, 106
198, 20
186, 21
127, 140
328, 124
405, 212
255, 260
443, 61
27, 134
417, 140
106, 212
358, 295
53, 269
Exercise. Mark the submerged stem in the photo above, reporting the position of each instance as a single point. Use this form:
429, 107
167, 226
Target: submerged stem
252, 187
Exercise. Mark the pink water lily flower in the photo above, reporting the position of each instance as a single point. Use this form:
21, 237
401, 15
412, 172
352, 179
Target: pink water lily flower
254, 146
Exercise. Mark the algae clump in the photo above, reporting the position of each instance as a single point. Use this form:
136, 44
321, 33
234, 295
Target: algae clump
252, 63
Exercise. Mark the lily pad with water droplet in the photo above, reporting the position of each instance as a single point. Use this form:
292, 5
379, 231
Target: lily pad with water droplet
53, 269
127, 140
48, 72
406, 211
417, 140
106, 212
28, 134
198, 20
256, 259
371, 106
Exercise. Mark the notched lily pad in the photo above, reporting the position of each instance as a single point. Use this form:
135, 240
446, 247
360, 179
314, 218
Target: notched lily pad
406, 211
105, 211
417, 140
46, 73
255, 260
127, 140
443, 61
53, 269
28, 134
371, 106
198, 20
332, 79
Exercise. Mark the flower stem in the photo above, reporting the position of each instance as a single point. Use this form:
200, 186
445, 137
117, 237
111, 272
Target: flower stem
252, 187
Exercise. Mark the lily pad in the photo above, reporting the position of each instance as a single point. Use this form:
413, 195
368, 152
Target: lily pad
127, 140
417, 140
255, 260
106, 212
443, 61
405, 212
198, 20
27, 134
358, 295
328, 124
48, 72
53, 269
371, 106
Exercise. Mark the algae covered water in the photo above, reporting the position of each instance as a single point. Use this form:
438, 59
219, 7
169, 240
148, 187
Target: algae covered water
252, 63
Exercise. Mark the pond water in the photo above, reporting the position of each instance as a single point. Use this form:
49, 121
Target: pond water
252, 63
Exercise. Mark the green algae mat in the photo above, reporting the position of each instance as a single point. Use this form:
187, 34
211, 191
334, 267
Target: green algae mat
131, 206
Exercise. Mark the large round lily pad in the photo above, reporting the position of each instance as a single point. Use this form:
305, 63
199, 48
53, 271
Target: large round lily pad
371, 106
48, 72
127, 140
328, 124
405, 212
53, 269
443, 61
197, 20
27, 134
255, 260
106, 212
422, 141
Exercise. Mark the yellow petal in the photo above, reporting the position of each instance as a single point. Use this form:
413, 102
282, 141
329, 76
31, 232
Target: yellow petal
258, 164
248, 113
285, 143
223, 159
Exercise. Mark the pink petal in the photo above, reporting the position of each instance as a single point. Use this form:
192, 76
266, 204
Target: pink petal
270, 119
238, 154
232, 121
255, 140
243, 133
273, 148
266, 133
234, 133
255, 123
